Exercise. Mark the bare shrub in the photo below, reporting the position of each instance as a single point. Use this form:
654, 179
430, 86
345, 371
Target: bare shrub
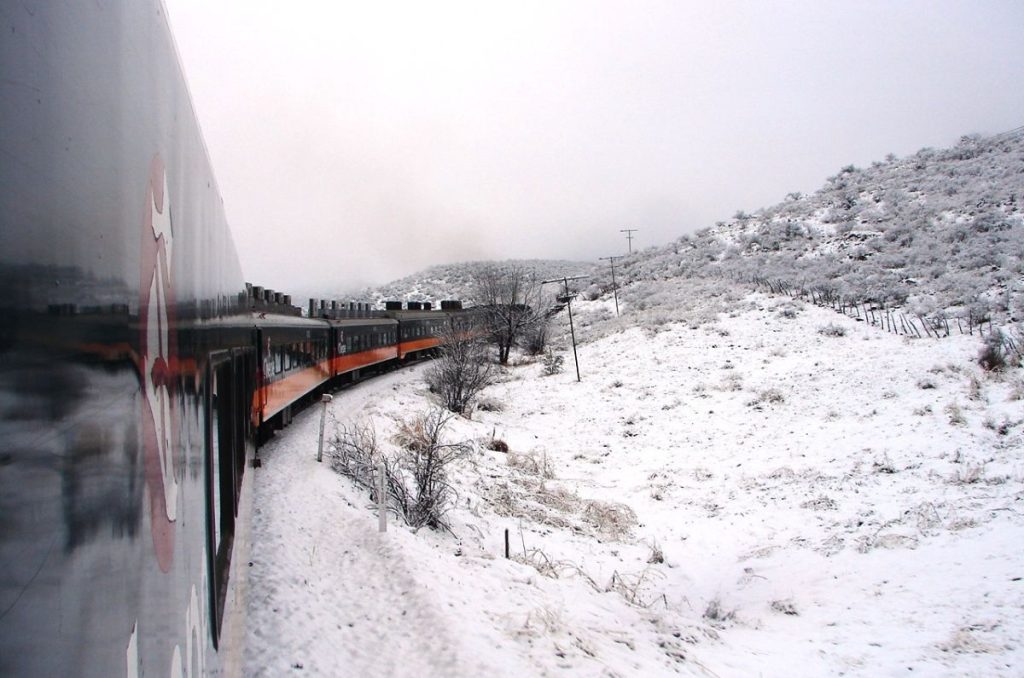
822, 503
552, 363
611, 518
632, 587
789, 309
427, 460
531, 463
550, 567
973, 387
993, 354
657, 556
714, 612
956, 415
784, 606
966, 641
832, 330
462, 370
1017, 390
489, 405
535, 338
968, 476
355, 454
771, 396
732, 382
497, 445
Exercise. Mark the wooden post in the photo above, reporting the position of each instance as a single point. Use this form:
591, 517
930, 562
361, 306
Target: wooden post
325, 398
382, 502
506, 543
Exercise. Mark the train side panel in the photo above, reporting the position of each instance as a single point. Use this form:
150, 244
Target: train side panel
116, 264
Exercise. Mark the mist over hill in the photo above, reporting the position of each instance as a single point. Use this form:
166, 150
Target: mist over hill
455, 281
936, 233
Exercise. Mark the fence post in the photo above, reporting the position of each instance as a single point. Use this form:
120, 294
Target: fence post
325, 398
382, 503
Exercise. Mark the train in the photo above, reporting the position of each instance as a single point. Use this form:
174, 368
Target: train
297, 357
139, 373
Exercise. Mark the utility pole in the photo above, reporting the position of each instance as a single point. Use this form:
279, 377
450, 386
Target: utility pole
567, 298
615, 293
629, 236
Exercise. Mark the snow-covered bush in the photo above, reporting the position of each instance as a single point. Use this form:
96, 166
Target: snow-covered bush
552, 363
832, 330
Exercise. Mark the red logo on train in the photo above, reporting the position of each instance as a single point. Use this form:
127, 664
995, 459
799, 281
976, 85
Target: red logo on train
159, 353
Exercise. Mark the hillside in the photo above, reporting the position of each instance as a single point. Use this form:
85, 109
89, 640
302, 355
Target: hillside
750, 496
938, 233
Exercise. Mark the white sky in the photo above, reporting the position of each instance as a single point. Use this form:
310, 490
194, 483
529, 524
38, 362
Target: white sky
358, 142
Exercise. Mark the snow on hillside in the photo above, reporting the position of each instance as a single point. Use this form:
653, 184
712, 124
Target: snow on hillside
940, 232
739, 495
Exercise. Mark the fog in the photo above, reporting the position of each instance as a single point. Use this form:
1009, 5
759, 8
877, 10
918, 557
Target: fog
355, 143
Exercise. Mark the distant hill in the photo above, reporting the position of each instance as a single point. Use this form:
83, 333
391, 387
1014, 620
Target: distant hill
455, 281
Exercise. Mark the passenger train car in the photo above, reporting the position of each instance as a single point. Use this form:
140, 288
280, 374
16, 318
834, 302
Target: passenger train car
136, 377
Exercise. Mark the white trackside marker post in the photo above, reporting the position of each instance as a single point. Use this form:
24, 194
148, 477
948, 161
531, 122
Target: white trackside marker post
382, 504
325, 398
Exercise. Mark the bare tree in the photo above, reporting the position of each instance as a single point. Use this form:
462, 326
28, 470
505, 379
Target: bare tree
509, 300
462, 370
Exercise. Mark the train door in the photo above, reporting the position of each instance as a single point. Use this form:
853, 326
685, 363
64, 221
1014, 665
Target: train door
229, 394
264, 368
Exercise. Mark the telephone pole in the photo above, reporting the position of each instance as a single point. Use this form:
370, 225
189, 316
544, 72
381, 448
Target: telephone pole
615, 288
629, 236
567, 298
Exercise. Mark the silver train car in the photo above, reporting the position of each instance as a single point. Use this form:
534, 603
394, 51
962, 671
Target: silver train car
121, 459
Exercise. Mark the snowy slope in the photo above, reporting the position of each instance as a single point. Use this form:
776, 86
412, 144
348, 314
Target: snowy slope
822, 505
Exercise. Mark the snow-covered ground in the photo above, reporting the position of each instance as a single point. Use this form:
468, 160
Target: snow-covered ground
748, 498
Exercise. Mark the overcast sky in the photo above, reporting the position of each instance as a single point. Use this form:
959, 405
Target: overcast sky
359, 142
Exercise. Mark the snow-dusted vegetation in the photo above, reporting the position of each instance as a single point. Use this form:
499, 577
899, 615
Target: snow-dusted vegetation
940, 232
743, 483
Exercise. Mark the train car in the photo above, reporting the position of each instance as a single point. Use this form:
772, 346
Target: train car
420, 330
361, 343
295, 360
127, 363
